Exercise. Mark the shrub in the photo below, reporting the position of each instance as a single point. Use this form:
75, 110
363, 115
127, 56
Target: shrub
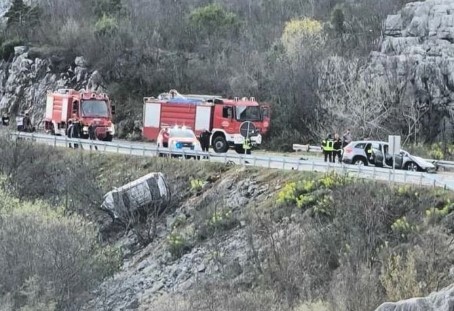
399, 277
196, 185
50, 253
178, 244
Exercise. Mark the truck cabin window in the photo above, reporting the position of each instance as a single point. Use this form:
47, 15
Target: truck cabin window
248, 113
95, 109
227, 112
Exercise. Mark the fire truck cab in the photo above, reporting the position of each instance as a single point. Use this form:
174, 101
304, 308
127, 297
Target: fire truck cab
229, 120
91, 108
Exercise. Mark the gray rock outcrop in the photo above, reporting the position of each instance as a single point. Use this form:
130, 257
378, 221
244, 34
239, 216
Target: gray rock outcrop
417, 53
25, 81
439, 301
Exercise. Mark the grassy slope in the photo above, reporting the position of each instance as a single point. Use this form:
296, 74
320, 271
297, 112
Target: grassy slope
352, 244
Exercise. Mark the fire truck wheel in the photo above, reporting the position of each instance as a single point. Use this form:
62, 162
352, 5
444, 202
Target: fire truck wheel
220, 145
108, 138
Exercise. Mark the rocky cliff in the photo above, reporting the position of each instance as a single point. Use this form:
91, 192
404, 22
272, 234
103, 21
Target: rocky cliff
417, 57
439, 301
25, 80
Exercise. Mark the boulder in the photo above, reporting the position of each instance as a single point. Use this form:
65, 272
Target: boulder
438, 301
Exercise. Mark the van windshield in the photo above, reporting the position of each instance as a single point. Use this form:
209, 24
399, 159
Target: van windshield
248, 113
94, 108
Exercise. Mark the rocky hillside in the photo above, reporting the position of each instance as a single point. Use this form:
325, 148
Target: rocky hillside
417, 53
26, 79
232, 237
438, 301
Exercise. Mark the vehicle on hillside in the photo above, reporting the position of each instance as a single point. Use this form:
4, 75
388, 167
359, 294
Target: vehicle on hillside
229, 120
376, 153
178, 139
89, 107
148, 193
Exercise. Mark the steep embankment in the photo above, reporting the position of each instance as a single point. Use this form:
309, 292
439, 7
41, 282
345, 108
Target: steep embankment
242, 238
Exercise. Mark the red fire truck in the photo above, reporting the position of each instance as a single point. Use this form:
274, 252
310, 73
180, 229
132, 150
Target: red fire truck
89, 107
229, 120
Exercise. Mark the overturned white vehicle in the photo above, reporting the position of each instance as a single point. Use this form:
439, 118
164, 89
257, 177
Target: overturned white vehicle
149, 193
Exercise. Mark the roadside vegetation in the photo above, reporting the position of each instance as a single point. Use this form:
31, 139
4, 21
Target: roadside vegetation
314, 242
277, 51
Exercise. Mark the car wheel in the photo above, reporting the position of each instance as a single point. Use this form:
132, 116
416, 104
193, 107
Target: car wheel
411, 166
359, 162
220, 145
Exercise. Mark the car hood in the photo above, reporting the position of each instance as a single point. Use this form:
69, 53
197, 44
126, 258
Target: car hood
422, 162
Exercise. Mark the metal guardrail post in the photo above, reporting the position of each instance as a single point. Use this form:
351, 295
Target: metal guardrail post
298, 165
269, 162
420, 180
143, 153
255, 161
283, 164
118, 148
374, 173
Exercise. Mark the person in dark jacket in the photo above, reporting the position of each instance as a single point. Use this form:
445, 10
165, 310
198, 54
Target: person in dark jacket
337, 146
205, 141
27, 123
92, 134
74, 130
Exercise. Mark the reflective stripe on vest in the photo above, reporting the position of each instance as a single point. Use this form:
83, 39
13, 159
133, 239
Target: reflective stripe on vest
329, 145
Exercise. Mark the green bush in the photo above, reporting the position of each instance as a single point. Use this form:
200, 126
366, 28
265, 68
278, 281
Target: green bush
178, 244
48, 254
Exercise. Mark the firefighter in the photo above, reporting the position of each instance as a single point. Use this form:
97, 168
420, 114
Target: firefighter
165, 138
92, 134
74, 129
205, 141
247, 146
27, 123
327, 147
337, 146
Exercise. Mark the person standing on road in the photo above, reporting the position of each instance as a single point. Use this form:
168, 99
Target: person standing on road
346, 138
74, 130
205, 141
92, 134
337, 146
327, 147
247, 145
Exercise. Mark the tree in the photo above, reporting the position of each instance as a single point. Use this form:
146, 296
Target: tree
22, 18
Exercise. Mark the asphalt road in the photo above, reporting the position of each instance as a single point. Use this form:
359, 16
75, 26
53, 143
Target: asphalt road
287, 161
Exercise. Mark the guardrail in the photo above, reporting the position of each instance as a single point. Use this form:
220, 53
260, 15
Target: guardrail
383, 174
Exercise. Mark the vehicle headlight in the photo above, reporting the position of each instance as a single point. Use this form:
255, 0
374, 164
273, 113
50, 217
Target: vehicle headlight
179, 145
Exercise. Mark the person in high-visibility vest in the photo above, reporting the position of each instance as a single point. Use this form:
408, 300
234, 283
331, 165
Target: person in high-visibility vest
328, 147
247, 146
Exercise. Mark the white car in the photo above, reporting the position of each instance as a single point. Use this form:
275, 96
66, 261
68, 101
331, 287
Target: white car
178, 139
357, 153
